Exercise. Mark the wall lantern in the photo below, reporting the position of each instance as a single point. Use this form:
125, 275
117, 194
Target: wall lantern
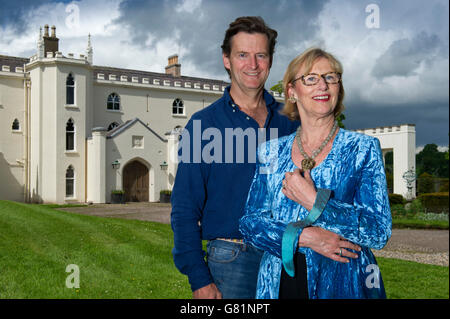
164, 166
115, 164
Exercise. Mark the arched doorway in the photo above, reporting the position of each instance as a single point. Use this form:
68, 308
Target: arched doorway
401, 140
135, 182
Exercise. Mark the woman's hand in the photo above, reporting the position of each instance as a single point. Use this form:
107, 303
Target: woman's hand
300, 188
328, 244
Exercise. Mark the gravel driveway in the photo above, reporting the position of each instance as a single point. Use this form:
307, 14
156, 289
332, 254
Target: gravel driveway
423, 246
156, 212
419, 245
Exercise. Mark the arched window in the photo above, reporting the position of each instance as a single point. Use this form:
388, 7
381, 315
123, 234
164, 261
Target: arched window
178, 107
70, 182
178, 129
70, 90
70, 135
113, 125
16, 125
113, 102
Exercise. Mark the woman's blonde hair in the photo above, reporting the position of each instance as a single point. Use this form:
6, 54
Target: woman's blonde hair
306, 60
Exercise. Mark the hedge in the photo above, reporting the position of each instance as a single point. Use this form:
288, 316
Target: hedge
435, 202
395, 199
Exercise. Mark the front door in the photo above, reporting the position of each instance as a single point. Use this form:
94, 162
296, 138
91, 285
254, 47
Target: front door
135, 182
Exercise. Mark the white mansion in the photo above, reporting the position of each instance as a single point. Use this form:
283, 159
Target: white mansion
71, 131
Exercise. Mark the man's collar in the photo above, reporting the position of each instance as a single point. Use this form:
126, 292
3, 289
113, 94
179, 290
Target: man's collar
268, 98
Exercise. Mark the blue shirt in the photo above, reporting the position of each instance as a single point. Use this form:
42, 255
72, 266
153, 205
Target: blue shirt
217, 162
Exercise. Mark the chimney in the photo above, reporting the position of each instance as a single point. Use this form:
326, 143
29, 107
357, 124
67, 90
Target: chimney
50, 42
173, 67
89, 51
40, 45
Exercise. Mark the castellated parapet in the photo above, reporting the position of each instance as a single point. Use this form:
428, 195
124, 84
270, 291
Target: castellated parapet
388, 129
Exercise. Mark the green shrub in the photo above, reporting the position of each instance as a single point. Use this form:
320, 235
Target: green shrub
117, 191
434, 202
398, 210
443, 186
396, 199
414, 207
425, 183
165, 192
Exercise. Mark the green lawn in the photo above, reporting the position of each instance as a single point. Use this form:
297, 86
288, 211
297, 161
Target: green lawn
120, 258
410, 280
117, 258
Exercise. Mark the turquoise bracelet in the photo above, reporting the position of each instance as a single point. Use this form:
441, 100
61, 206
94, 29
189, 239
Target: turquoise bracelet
291, 233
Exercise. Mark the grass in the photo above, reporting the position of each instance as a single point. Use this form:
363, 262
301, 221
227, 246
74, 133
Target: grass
117, 258
410, 280
121, 258
414, 217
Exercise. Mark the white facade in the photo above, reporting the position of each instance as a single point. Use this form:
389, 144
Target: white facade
64, 122
401, 140
39, 164
12, 142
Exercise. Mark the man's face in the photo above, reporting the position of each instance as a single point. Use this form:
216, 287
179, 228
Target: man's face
249, 61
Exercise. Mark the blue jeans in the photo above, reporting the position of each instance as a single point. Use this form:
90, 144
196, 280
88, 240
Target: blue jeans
234, 268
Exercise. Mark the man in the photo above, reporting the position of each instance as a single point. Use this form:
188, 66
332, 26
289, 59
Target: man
209, 195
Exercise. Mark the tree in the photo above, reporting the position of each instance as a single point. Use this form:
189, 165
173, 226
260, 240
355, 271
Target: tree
279, 88
389, 161
432, 161
389, 169
340, 118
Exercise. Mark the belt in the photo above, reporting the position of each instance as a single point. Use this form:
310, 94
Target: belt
232, 240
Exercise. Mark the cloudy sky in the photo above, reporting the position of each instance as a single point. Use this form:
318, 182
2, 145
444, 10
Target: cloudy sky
395, 53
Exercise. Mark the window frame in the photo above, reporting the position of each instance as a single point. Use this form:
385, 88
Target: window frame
72, 134
72, 180
114, 102
18, 129
176, 106
114, 125
72, 88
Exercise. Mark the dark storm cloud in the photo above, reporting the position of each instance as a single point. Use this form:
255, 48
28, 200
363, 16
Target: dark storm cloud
202, 31
417, 30
404, 56
13, 13
431, 120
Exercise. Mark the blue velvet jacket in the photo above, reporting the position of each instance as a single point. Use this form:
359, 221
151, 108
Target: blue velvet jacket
357, 210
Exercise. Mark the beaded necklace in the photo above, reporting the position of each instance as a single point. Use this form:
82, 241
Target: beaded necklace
308, 162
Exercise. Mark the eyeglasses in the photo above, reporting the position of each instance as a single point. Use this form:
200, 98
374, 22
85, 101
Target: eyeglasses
313, 78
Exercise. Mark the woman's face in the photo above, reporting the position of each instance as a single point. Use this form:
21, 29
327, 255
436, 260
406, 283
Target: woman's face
317, 100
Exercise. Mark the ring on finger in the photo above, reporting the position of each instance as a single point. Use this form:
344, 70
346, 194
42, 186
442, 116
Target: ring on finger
340, 251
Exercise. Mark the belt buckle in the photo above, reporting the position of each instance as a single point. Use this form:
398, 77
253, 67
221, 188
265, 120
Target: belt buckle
232, 240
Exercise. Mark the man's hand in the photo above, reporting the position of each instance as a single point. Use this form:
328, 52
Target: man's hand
207, 292
328, 244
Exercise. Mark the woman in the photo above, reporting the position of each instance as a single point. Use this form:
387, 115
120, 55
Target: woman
318, 201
